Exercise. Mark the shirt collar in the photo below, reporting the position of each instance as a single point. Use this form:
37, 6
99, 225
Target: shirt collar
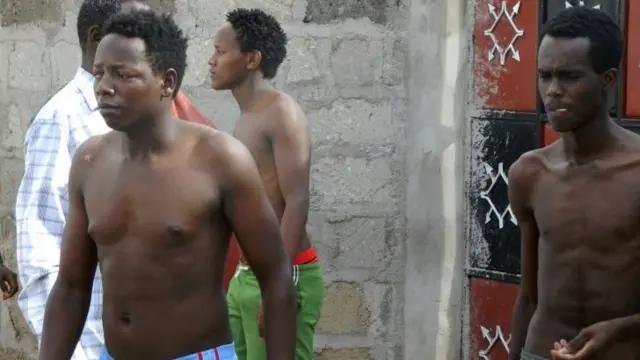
84, 81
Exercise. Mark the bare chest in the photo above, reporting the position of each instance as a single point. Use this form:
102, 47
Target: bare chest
593, 211
253, 134
157, 203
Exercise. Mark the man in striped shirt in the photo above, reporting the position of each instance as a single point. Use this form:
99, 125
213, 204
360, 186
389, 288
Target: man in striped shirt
69, 118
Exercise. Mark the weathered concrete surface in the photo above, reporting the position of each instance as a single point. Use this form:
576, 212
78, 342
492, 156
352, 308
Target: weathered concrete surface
386, 166
438, 82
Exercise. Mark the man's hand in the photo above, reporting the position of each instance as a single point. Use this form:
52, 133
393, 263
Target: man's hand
8, 282
589, 341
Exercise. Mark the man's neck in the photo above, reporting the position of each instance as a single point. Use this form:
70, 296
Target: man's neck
589, 140
250, 90
87, 63
151, 137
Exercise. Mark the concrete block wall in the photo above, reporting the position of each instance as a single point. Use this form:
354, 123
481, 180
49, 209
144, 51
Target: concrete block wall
385, 86
347, 65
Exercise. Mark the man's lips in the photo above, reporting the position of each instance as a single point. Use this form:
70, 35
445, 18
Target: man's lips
108, 107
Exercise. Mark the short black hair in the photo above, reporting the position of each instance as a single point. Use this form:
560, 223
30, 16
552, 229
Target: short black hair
95, 13
257, 30
165, 42
603, 33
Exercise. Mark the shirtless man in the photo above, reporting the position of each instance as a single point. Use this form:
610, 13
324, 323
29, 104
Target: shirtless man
8, 282
249, 48
577, 202
154, 203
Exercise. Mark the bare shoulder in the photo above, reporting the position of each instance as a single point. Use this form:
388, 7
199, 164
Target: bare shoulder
223, 153
88, 153
286, 114
527, 169
630, 141
92, 149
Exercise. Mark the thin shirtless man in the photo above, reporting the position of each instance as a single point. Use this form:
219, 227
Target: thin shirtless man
8, 282
249, 48
153, 203
577, 202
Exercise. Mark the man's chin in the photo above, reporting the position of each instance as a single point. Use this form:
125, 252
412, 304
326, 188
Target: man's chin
562, 126
218, 86
116, 123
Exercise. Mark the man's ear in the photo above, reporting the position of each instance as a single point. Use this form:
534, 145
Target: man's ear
610, 79
254, 58
169, 83
95, 34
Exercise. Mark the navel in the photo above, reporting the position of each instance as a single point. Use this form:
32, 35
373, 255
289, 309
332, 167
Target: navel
125, 319
175, 230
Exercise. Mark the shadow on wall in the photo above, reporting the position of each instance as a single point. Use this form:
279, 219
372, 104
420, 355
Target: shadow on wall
435, 223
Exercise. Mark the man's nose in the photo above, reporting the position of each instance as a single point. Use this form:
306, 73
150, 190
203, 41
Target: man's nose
555, 88
104, 87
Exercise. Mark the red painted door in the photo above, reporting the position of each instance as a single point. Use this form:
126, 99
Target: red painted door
505, 51
506, 34
632, 85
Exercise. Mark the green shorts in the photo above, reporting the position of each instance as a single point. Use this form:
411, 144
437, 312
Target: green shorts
243, 297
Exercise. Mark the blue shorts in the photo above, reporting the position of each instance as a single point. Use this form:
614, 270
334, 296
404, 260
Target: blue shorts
526, 356
222, 352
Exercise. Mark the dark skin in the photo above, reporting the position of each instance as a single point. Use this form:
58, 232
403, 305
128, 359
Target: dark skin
95, 34
577, 205
153, 204
8, 281
274, 128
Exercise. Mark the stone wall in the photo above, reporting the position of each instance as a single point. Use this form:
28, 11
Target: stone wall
347, 65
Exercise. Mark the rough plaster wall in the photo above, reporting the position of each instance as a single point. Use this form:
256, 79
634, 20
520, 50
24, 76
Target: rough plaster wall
346, 66
437, 86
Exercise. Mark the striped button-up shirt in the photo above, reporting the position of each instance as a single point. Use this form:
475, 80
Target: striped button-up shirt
68, 119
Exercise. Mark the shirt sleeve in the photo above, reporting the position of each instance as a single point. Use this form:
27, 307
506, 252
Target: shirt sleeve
41, 207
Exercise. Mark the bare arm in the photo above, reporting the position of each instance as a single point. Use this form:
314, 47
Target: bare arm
68, 304
631, 327
521, 176
292, 151
255, 225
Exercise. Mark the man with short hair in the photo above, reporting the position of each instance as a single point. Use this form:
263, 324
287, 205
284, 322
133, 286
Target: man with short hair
249, 48
63, 123
153, 203
577, 204
8, 281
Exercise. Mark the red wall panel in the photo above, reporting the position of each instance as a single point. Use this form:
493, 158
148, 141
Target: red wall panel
506, 81
490, 322
632, 83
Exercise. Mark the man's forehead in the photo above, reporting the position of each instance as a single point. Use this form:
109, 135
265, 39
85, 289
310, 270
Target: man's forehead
116, 47
225, 33
561, 52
